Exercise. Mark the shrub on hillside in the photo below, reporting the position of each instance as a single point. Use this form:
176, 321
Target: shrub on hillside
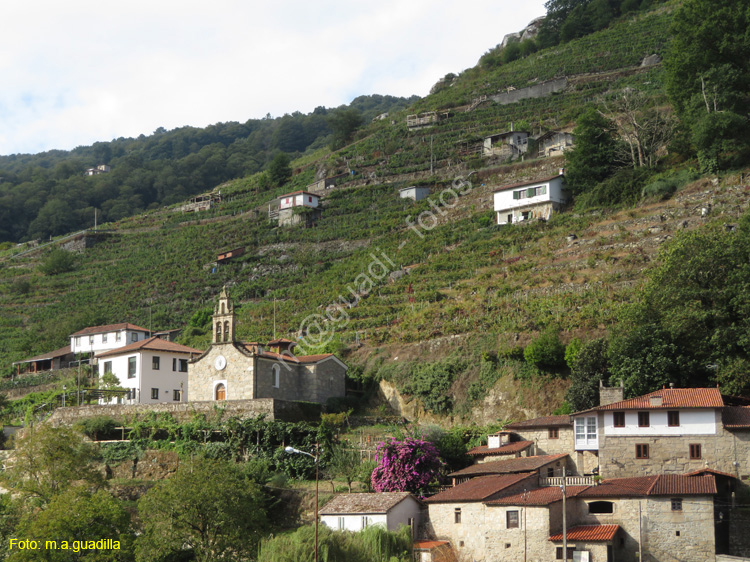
547, 351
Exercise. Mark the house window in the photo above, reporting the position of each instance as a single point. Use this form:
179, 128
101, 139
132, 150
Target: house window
676, 504
107, 367
511, 519
131, 367
619, 419
457, 515
550, 472
276, 376
601, 507
559, 553
91, 340
154, 394
554, 433
695, 451
176, 395
342, 523
118, 336
133, 337
309, 199
155, 361
641, 451
78, 341
591, 429
104, 338
644, 419
174, 363
365, 521
183, 366
673, 418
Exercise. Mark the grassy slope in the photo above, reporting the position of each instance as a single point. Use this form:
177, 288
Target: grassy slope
492, 287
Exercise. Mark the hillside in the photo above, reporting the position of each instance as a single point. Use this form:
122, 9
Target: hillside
441, 312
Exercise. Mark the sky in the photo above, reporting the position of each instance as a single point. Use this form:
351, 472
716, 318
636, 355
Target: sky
77, 72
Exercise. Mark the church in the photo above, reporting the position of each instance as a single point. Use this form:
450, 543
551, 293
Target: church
232, 370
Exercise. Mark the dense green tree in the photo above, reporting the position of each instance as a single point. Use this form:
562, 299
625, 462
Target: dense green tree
708, 76
343, 123
589, 367
279, 171
546, 351
208, 508
592, 160
76, 516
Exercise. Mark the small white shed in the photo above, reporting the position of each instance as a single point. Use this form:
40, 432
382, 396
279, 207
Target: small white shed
414, 192
354, 512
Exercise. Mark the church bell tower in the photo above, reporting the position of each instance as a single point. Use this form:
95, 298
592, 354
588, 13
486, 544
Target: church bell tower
223, 319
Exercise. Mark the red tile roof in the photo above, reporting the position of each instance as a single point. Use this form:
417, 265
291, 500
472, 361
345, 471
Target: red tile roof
479, 489
523, 183
62, 352
659, 485
152, 344
291, 358
539, 496
589, 533
109, 328
520, 464
299, 192
546, 421
702, 471
508, 449
381, 502
736, 417
671, 398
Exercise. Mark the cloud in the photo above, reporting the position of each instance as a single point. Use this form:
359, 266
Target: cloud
83, 71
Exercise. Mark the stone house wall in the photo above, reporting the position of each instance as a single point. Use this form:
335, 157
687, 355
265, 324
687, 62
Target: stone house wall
543, 445
238, 376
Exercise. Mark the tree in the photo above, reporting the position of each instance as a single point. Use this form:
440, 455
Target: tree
78, 514
48, 461
343, 123
344, 463
708, 73
207, 507
57, 261
410, 465
588, 368
592, 159
279, 171
546, 351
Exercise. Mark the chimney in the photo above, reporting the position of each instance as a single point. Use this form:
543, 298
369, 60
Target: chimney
609, 395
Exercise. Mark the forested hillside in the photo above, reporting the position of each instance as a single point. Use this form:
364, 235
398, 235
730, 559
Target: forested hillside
642, 278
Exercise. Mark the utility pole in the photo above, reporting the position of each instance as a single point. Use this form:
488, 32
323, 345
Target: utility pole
565, 520
640, 533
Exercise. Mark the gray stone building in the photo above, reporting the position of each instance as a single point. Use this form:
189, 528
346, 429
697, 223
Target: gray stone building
232, 370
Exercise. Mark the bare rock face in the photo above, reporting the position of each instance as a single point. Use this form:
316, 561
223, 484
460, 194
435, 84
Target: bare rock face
529, 32
651, 60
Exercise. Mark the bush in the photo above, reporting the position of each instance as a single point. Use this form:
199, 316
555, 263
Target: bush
57, 261
547, 351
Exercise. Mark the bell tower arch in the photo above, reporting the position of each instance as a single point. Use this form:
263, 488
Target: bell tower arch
223, 331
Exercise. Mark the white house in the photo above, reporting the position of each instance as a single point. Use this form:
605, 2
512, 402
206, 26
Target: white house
298, 199
536, 199
152, 370
414, 192
354, 512
96, 339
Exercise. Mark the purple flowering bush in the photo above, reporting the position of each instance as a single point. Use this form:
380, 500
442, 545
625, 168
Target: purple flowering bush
405, 466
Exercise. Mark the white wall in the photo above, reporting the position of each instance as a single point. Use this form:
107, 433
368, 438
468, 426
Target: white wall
397, 516
353, 522
146, 378
95, 343
692, 422
299, 200
505, 203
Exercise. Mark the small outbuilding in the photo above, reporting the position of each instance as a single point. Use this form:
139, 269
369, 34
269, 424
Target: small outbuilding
354, 512
414, 192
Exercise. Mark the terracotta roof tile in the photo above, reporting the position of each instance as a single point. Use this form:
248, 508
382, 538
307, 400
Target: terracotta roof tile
152, 344
479, 489
508, 449
109, 328
381, 502
671, 398
659, 485
47, 356
291, 358
586, 533
546, 421
520, 464
736, 417
539, 496
428, 545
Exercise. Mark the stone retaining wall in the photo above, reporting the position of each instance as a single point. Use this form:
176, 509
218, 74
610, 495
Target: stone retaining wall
270, 408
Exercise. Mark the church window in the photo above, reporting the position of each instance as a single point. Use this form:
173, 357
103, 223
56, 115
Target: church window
218, 332
221, 392
276, 376
226, 330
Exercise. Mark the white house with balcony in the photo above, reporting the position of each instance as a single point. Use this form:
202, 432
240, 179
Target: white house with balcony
529, 200
151, 370
96, 339
354, 512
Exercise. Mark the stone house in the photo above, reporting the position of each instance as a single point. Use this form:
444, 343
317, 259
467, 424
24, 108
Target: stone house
529, 200
549, 435
151, 370
354, 512
669, 431
510, 144
547, 466
433, 551
554, 143
500, 445
233, 370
